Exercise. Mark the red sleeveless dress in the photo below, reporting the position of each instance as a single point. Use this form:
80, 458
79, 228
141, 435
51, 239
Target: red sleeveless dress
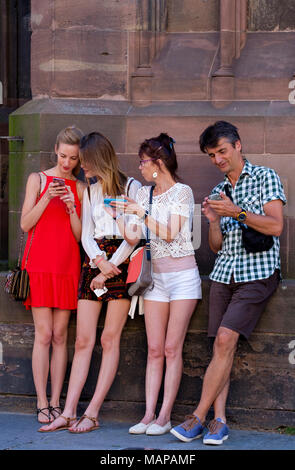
53, 263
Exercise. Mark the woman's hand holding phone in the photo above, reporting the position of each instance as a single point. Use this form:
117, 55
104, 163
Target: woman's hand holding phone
69, 199
98, 282
129, 206
55, 189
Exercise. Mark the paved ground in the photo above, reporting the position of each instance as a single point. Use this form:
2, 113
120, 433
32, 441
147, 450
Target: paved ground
19, 432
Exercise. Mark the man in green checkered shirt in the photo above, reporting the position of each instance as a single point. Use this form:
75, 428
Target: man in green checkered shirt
242, 281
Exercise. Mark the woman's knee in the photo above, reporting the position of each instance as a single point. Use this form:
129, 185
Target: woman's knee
109, 340
43, 336
59, 336
84, 342
156, 351
172, 351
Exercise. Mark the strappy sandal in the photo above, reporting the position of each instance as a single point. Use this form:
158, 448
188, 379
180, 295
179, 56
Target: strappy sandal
92, 428
42, 411
62, 426
55, 409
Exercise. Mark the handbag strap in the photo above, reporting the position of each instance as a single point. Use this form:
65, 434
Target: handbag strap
22, 236
228, 194
148, 242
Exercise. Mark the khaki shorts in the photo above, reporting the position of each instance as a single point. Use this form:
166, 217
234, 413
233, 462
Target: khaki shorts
239, 305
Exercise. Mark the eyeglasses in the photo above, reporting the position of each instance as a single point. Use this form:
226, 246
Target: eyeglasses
142, 162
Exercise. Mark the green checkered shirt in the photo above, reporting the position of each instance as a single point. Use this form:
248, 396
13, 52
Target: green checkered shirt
256, 186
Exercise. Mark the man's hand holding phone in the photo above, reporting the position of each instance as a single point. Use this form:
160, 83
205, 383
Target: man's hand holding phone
222, 205
208, 210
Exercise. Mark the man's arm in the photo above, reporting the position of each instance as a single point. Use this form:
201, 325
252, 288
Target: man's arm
270, 224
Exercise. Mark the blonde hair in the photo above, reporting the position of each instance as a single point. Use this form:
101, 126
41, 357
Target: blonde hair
71, 135
97, 153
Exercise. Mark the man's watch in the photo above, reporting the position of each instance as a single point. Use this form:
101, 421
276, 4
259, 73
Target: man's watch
242, 216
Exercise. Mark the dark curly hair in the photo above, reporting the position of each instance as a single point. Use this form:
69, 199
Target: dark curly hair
161, 148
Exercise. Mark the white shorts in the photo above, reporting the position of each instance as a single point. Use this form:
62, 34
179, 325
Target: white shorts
175, 286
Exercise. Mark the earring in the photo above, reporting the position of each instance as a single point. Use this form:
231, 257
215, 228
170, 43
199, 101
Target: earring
155, 174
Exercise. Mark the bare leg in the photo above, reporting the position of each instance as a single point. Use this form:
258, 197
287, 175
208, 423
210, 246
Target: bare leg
43, 321
179, 318
156, 321
220, 402
87, 317
59, 354
116, 317
218, 371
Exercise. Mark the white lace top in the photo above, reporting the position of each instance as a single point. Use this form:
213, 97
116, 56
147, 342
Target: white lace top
178, 200
98, 223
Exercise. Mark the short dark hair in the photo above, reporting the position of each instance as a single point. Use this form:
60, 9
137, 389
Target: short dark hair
211, 135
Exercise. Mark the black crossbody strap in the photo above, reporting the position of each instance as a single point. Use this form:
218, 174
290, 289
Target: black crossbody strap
227, 192
148, 242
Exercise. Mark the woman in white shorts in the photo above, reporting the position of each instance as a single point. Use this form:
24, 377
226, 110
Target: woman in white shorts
169, 305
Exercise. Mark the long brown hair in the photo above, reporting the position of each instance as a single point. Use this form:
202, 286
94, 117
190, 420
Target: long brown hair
97, 153
71, 135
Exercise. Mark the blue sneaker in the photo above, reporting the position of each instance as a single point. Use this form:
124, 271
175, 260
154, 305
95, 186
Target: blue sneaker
191, 429
218, 432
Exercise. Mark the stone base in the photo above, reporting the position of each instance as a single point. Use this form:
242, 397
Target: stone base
131, 412
262, 379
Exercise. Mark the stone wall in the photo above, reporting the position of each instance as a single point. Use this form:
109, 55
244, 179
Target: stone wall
271, 15
130, 71
262, 380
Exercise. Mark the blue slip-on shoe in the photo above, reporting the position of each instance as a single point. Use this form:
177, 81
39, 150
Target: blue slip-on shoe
218, 432
191, 429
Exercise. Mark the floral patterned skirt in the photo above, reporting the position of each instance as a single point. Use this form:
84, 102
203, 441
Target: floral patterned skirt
116, 286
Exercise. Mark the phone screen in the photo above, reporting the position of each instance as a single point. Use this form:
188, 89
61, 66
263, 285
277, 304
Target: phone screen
60, 181
107, 201
215, 197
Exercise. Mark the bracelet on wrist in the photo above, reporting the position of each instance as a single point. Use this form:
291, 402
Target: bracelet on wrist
96, 262
72, 210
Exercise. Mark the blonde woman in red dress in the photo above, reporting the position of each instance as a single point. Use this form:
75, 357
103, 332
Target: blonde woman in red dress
51, 215
105, 265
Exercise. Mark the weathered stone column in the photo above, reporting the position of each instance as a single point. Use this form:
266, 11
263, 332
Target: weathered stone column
151, 17
233, 24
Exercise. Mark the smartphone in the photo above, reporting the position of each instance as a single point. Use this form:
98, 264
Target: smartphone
60, 181
100, 292
215, 197
108, 200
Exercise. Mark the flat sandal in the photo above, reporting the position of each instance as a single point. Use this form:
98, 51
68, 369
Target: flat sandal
55, 409
92, 428
62, 426
42, 411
